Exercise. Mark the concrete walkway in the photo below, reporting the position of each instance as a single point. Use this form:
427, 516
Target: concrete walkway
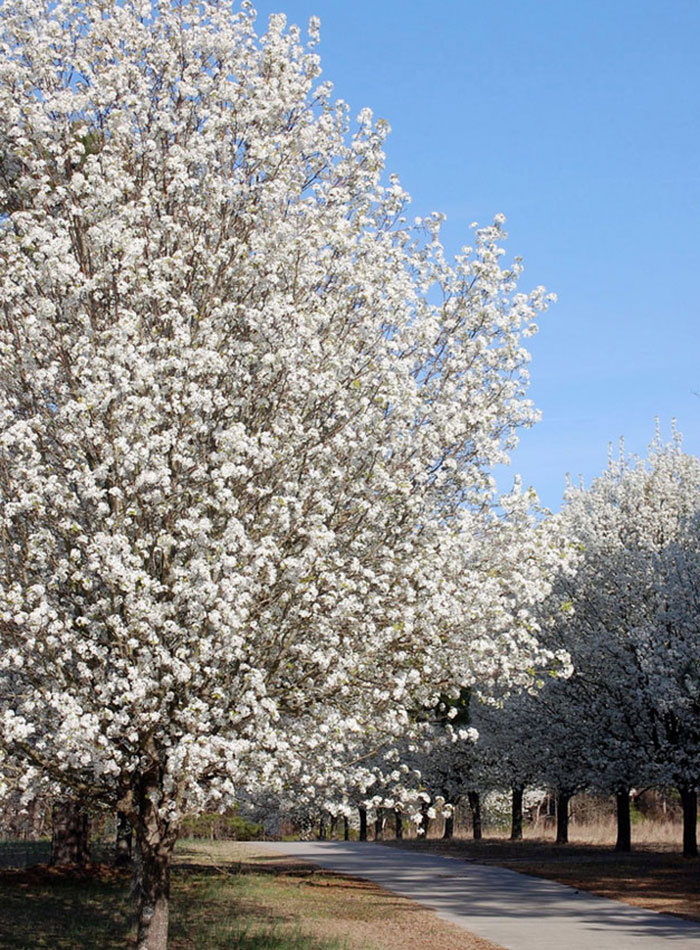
511, 909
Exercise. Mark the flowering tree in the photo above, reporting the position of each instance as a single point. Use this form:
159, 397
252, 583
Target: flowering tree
247, 417
631, 631
627, 617
508, 563
512, 566
670, 648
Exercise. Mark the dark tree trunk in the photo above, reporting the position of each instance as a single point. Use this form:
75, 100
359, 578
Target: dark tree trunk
474, 799
689, 801
70, 834
563, 798
153, 892
333, 827
424, 819
398, 824
346, 828
449, 826
322, 827
624, 822
363, 822
155, 840
516, 813
122, 851
379, 825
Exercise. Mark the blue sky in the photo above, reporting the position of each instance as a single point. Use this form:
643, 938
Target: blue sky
581, 123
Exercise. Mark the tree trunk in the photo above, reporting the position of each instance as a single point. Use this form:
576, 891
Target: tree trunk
363, 822
379, 825
398, 824
624, 823
155, 839
474, 799
689, 800
122, 851
322, 827
516, 813
70, 832
153, 893
449, 826
563, 798
346, 828
424, 820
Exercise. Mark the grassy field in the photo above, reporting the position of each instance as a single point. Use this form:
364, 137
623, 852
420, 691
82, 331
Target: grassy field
221, 900
211, 909
647, 833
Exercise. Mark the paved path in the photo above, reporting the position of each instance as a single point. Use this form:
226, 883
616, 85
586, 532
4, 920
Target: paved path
513, 910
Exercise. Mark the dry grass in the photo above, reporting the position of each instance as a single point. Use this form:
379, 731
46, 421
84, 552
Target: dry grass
601, 830
357, 914
654, 835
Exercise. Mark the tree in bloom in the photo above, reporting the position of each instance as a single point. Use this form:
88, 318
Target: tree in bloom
512, 565
247, 418
632, 702
508, 563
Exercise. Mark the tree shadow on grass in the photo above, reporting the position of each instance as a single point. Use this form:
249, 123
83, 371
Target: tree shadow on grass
212, 908
42, 907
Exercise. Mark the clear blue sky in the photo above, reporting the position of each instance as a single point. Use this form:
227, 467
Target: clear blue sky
581, 123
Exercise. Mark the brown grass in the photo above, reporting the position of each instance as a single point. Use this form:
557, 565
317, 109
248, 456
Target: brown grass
358, 914
646, 833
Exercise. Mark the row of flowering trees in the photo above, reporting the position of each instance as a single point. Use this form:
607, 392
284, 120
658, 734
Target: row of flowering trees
248, 417
628, 715
623, 711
